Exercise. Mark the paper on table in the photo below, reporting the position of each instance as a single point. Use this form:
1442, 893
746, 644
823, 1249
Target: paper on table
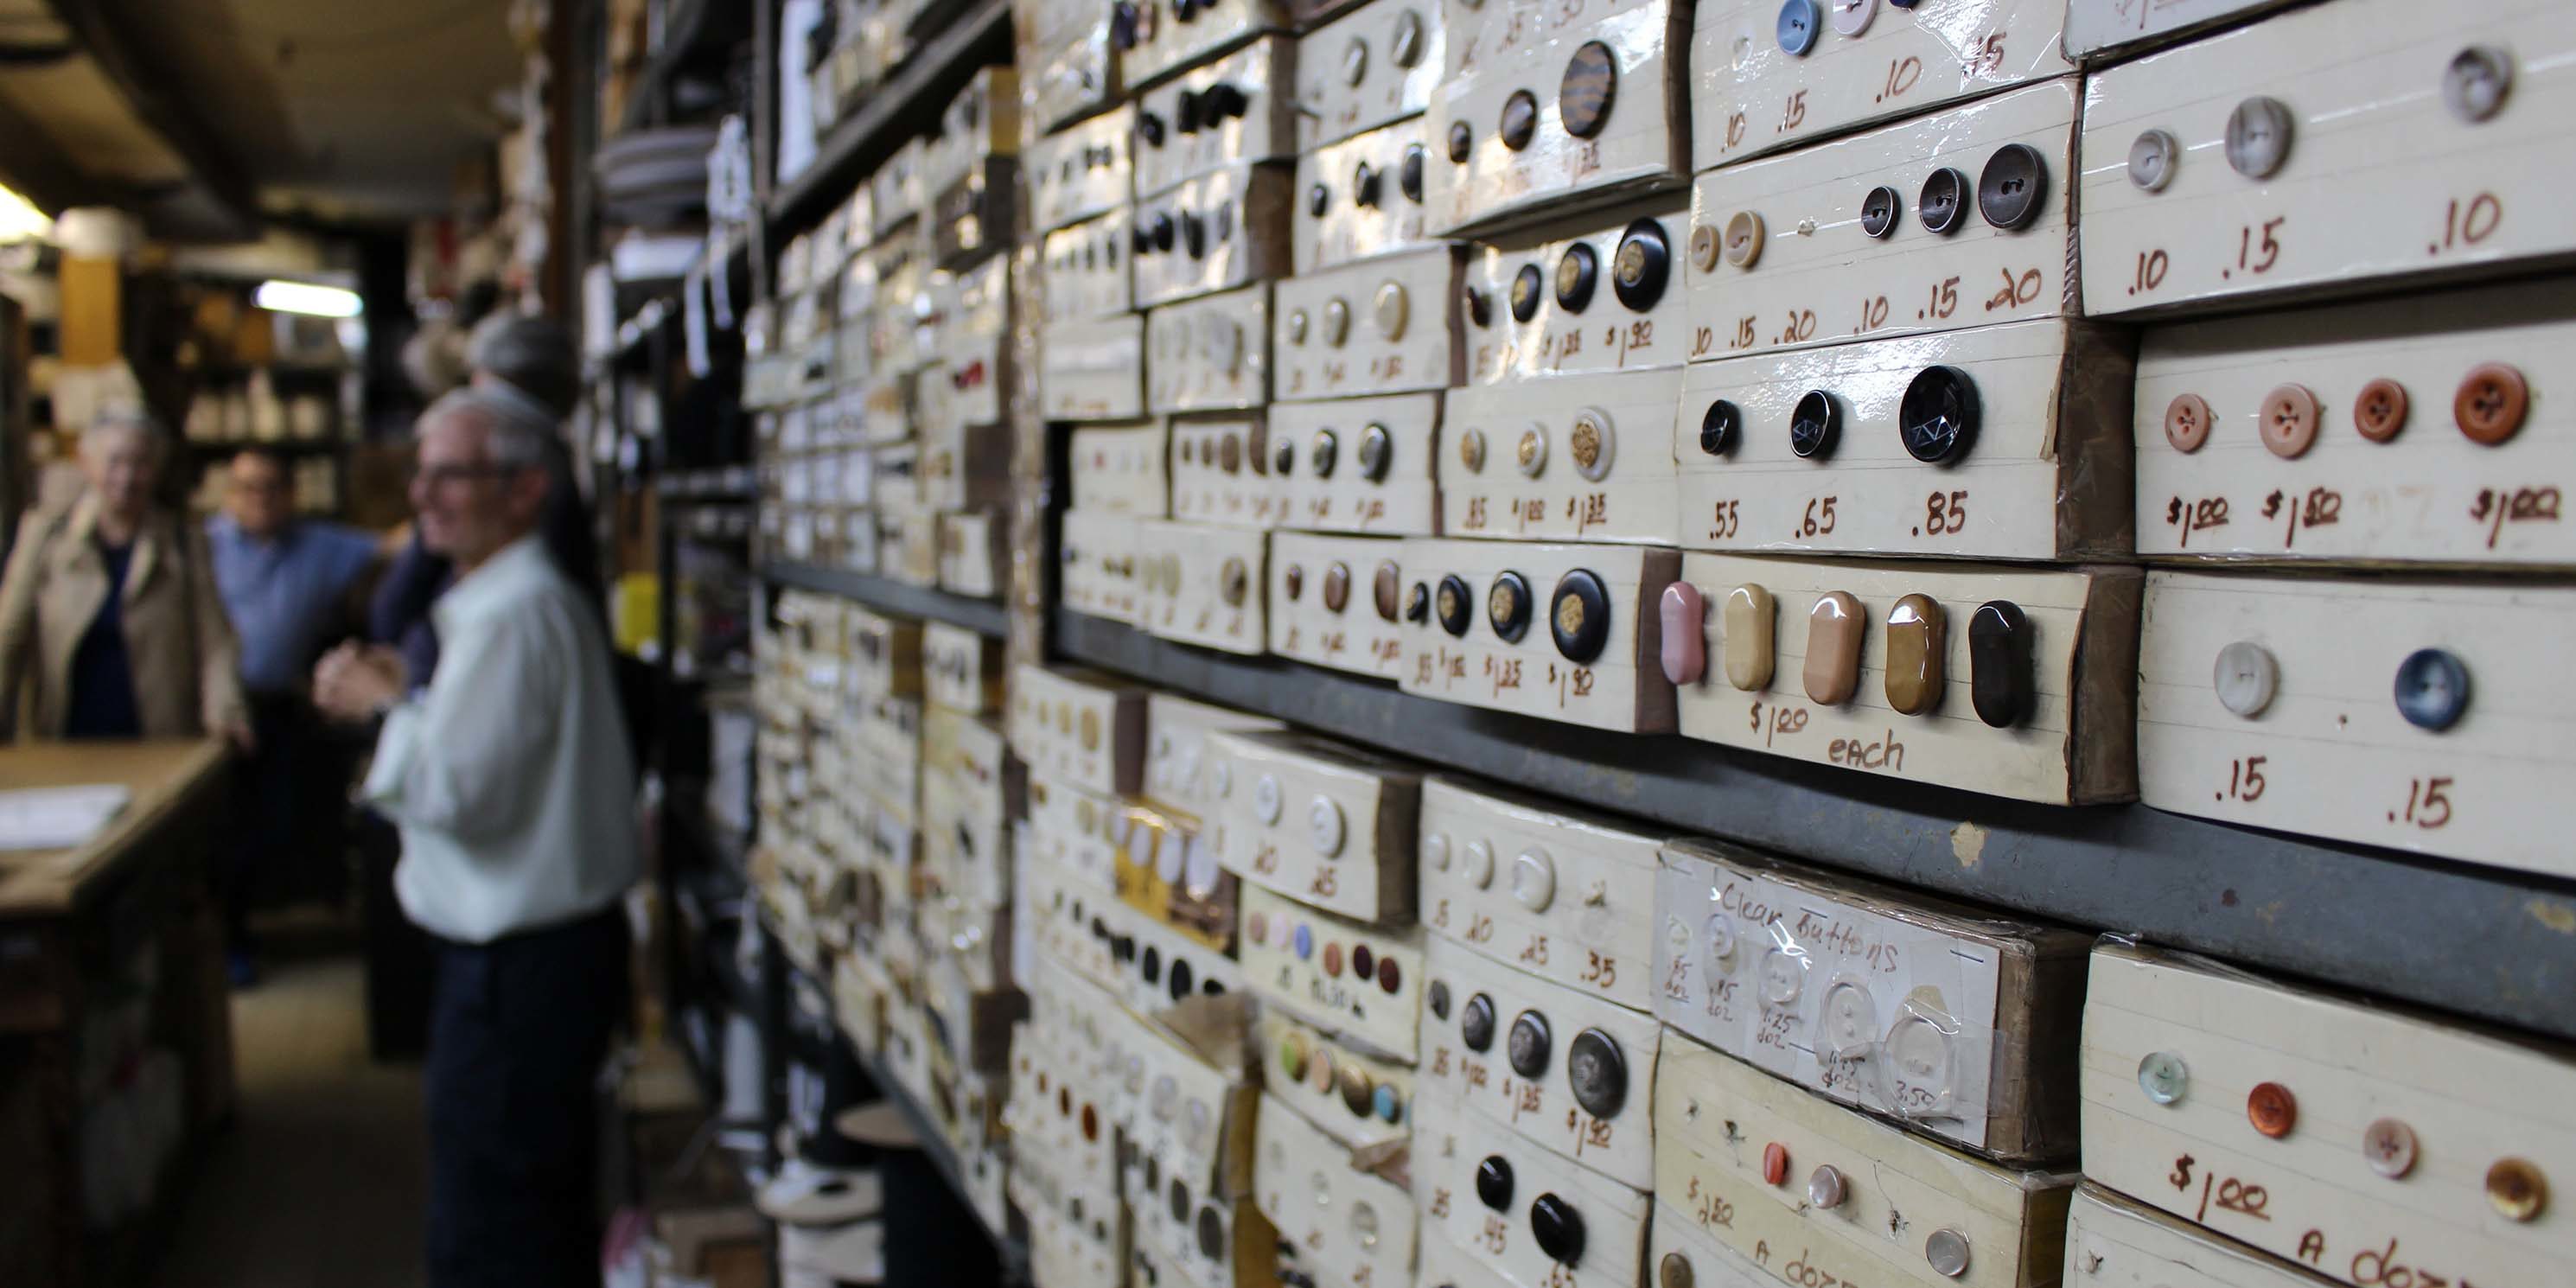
54, 818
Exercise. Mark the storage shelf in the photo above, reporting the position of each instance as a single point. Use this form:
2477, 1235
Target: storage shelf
909, 103
983, 616
2478, 941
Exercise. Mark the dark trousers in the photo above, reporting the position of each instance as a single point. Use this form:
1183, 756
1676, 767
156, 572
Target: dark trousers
289, 816
518, 1030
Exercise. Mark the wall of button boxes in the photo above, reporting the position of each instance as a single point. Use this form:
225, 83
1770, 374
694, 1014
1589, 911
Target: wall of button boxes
2070, 401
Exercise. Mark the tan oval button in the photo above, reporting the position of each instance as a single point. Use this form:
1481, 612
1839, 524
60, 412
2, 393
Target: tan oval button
2187, 422
1743, 238
1674, 1272
2490, 403
2272, 1109
1749, 619
1703, 247
2289, 424
1392, 308
2379, 410
1337, 586
1918, 641
1090, 730
1834, 629
2517, 1189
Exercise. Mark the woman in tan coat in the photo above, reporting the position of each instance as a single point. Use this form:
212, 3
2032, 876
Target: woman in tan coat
110, 625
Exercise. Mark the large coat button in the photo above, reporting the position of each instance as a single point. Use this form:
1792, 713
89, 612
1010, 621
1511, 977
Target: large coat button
1999, 652
1834, 629
1590, 85
1579, 616
1476, 1023
1918, 644
1507, 606
1814, 424
1529, 1044
1598, 1072
1576, 273
2432, 688
2012, 187
1520, 119
1456, 604
1494, 1182
1559, 1229
1937, 418
1643, 263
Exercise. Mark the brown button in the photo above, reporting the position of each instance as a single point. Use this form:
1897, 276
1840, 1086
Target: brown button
2289, 424
1333, 961
1293, 580
2187, 422
1703, 246
1390, 589
1356, 1087
2490, 403
1229, 454
1775, 1163
2272, 1109
1918, 640
1337, 586
2517, 1189
1833, 648
2379, 410
1235, 581
1090, 730
1747, 621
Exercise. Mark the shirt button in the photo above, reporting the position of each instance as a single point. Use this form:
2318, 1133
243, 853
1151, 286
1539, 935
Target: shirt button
2258, 136
1937, 418
1783, 978
1719, 427
2272, 1109
2163, 1076
2187, 422
2490, 403
2152, 158
1519, 123
2517, 1188
2245, 678
1879, 211
1814, 424
1589, 86
1265, 807
1743, 238
2432, 688
1797, 27
1599, 1074
1703, 247
2379, 410
1943, 200
1685, 644
2388, 1145
2012, 186
2475, 83
2289, 423
1719, 932
1852, 17
1325, 830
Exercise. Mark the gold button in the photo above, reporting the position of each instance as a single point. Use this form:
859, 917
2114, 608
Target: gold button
2517, 1189
2272, 1109
1471, 450
1531, 451
1090, 730
1356, 1088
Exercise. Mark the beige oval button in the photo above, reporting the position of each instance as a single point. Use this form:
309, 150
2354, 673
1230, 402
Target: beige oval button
1392, 308
1918, 642
1296, 326
1743, 238
2289, 425
1834, 629
1748, 621
1337, 321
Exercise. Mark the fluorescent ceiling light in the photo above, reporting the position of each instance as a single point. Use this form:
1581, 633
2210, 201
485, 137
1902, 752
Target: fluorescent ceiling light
20, 220
307, 298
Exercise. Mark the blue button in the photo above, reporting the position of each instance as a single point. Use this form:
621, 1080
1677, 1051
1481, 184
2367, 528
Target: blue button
1388, 1107
1798, 22
1304, 940
2432, 688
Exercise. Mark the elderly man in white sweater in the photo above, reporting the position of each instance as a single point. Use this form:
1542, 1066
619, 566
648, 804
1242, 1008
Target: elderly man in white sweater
511, 780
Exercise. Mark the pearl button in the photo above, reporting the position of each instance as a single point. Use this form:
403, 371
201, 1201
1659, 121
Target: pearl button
1324, 826
2389, 1147
2163, 1076
1825, 1188
1391, 308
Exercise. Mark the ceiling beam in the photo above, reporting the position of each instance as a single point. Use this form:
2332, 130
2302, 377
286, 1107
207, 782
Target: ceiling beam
39, 171
156, 95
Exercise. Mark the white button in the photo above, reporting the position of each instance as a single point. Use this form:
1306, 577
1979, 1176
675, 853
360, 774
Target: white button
1591, 443
1851, 17
1170, 851
1920, 1051
1435, 848
1324, 827
1480, 864
2246, 677
1393, 308
1221, 776
1224, 342
1200, 868
1265, 799
1140, 844
1718, 936
1534, 879
1296, 326
1337, 321
1530, 452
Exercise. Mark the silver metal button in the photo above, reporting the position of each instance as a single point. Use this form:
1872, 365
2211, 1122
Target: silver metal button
1947, 1252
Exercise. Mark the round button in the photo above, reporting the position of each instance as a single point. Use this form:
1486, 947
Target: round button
1783, 977
2517, 1189
2258, 136
1850, 1019
1943, 201
1598, 1072
1476, 1023
1879, 211
1494, 1182
1743, 242
1589, 86
1337, 321
1576, 273
1558, 1228
1462, 140
1591, 444
2475, 83
1480, 864
1528, 1045
1435, 851
1937, 418
1507, 606
1644, 261
1407, 49
1720, 427
2379, 410
1456, 604
1717, 936
1265, 799
1814, 424
2490, 403
1391, 307
2152, 158
1775, 1164
2163, 1076
1283, 459
1519, 123
1355, 61
2272, 1109
2187, 421
1703, 247
1528, 286
1325, 828
1390, 581
1529, 452
1296, 330
2245, 677
1358, 1091
1377, 452
1825, 1187
1534, 880
1674, 1271
1579, 616
1797, 27
1417, 603
1323, 453
1471, 450
2012, 186
1408, 174
2388, 1146
1852, 17
1947, 1253
2289, 423
2432, 688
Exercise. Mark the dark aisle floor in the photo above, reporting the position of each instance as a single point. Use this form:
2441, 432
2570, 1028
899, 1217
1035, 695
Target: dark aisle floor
320, 1179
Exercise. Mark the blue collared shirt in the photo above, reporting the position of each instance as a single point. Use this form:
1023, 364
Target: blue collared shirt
282, 592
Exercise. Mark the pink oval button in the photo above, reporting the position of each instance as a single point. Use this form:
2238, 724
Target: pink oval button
1685, 618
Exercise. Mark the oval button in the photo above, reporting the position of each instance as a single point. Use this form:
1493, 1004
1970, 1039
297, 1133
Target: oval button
1392, 309
1746, 627
1337, 584
1528, 292
1325, 829
1558, 1228
1480, 864
1999, 663
1494, 1182
1834, 629
1683, 616
1389, 590
1462, 140
1519, 123
1918, 642
1377, 453
1590, 85
1337, 321
1534, 880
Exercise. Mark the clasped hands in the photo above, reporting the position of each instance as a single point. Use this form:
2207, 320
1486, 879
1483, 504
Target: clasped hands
358, 681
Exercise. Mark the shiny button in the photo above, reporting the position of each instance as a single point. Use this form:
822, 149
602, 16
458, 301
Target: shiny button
1283, 460
2163, 1076
1852, 17
1999, 653
1943, 201
1918, 641
2475, 83
1558, 1228
1534, 880
1337, 321
1576, 273
1644, 261
1377, 452
1529, 452
1438, 1000
1591, 444
1319, 199
1825, 1187
2289, 421
1358, 1091
1746, 624
1937, 418
1476, 1023
1323, 452
1720, 427
1674, 1271
1408, 174
2152, 158
1390, 977
1471, 450
1589, 86
2490, 403
1455, 604
2432, 688
1528, 1045
2379, 410
1775, 1164
1683, 615
1407, 49
1519, 123
1417, 603
1947, 1253
1717, 936
1390, 581
1462, 140
2245, 677
1507, 606
1355, 60
1598, 1073
1797, 27
2012, 186
1365, 183
1494, 1182
1703, 247
1528, 291
2272, 1109
1479, 869
2258, 136
1388, 1105
1879, 211
1293, 580
2187, 421
2517, 1189
1814, 423
1579, 616
1296, 327
1391, 308
2388, 1146
1784, 977
1743, 241
1325, 829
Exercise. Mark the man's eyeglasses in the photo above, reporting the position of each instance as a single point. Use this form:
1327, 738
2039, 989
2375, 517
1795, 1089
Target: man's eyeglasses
435, 475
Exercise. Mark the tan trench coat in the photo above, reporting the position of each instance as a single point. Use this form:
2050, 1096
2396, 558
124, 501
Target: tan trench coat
179, 643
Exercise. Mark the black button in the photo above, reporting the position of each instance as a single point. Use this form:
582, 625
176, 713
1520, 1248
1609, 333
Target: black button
1194, 235
1181, 979
1480, 307
1721, 427
1644, 260
1439, 999
1180, 1199
1283, 458
1152, 966
1144, 240
1476, 1023
1579, 616
2432, 688
1222, 100
1576, 273
1377, 453
1520, 120
1559, 1229
1163, 231
1590, 84
1327, 453
1528, 1046
1417, 608
1814, 424
2012, 186
1151, 126
1507, 606
1944, 200
1457, 605
1879, 211
1494, 1182
1937, 418
1598, 1072
1123, 948
1462, 140
1211, 1234
1529, 288
1185, 9
1122, 25
1318, 200
1364, 185
1409, 177
1999, 648
1185, 112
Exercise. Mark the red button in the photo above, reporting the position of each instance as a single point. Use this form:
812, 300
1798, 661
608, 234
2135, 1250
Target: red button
1775, 1163
1388, 977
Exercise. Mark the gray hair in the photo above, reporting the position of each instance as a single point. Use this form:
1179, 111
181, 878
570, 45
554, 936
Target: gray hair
534, 355
125, 420
520, 433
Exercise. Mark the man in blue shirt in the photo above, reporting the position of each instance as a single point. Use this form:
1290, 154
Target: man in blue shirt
288, 584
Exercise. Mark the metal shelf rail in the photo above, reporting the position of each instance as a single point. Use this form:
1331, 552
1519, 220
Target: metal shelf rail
904, 105
983, 616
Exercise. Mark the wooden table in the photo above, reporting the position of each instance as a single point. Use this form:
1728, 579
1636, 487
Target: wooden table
75, 924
